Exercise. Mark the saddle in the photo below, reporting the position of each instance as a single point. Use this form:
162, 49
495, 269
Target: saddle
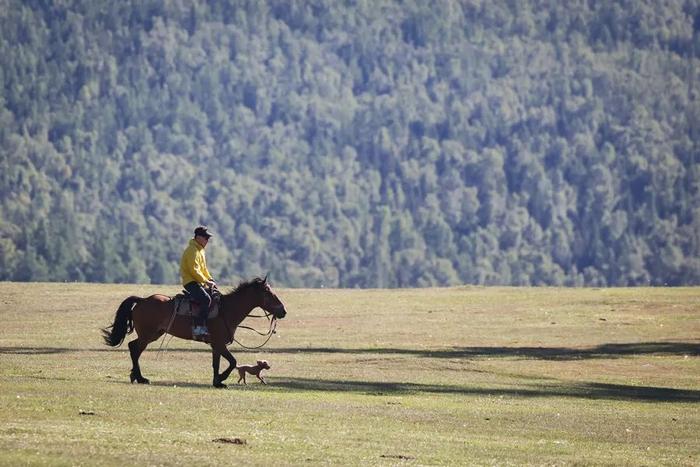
185, 306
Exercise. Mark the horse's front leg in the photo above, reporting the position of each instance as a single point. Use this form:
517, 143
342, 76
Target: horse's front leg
215, 359
223, 351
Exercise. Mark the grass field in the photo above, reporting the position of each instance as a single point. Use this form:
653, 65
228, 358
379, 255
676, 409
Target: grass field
458, 376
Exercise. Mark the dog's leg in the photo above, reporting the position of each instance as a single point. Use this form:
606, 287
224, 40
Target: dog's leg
261, 379
241, 375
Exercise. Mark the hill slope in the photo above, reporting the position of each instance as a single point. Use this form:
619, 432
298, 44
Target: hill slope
360, 144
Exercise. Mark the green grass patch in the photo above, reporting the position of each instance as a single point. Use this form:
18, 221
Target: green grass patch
465, 375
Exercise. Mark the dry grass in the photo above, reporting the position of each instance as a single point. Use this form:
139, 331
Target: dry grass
467, 375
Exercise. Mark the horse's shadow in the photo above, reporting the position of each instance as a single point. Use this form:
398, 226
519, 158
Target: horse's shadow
552, 388
583, 390
580, 390
546, 387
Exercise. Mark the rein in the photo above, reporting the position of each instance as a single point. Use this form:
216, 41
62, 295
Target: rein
167, 331
269, 333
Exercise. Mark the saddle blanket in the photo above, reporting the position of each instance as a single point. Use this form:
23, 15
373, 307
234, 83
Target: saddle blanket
184, 307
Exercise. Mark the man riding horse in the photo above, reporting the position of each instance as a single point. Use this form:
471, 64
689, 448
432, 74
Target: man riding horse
197, 280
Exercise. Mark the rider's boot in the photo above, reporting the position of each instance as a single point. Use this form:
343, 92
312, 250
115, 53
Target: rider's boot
199, 329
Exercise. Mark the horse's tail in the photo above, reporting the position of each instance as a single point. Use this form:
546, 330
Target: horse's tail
123, 324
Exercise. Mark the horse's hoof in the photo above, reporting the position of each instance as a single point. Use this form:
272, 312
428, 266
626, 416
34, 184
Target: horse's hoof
220, 386
138, 379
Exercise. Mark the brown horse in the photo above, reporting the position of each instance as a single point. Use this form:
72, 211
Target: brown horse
153, 316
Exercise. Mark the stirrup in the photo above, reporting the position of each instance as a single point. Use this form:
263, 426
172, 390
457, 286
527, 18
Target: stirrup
200, 333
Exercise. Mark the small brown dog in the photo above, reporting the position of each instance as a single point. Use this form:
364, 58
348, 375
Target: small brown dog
253, 370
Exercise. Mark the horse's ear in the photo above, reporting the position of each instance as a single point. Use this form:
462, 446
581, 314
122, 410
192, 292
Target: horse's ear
265, 279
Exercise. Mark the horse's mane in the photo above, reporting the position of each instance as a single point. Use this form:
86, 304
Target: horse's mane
243, 286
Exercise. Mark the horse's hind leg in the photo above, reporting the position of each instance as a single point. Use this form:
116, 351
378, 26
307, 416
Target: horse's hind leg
136, 347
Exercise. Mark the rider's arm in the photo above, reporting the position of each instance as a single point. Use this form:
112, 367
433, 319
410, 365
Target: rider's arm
203, 268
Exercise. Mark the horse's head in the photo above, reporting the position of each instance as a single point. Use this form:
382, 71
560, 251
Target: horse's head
268, 301
257, 293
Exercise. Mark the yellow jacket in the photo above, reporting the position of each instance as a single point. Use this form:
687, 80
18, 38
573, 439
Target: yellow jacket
193, 265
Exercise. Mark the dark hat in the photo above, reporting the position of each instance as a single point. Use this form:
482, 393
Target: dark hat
202, 231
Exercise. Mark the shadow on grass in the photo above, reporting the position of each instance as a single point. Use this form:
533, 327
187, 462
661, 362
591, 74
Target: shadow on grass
538, 353
578, 390
37, 350
592, 391
582, 390
524, 353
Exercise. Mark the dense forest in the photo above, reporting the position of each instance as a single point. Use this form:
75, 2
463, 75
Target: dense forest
354, 143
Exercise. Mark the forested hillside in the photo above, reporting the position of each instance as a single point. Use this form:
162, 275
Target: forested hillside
357, 143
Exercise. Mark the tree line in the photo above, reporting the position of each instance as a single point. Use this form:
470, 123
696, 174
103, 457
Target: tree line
353, 143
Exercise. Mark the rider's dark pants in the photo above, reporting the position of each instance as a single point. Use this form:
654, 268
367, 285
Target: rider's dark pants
203, 299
